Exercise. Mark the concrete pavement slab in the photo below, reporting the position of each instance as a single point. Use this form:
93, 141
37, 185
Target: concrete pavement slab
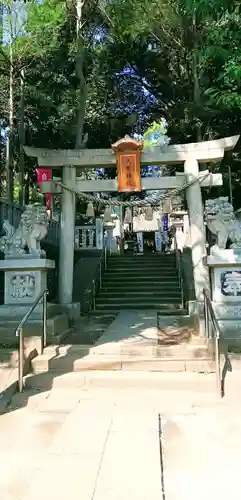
130, 466
63, 401
201, 455
84, 437
64, 477
106, 446
129, 327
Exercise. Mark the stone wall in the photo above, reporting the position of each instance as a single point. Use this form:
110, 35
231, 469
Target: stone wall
85, 265
188, 278
85, 269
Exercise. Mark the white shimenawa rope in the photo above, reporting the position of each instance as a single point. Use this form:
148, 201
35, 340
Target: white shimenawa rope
134, 203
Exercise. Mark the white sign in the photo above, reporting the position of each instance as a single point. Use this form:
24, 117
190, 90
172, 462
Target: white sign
231, 283
99, 233
158, 241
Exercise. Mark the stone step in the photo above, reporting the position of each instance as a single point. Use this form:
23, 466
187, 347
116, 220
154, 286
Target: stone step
145, 257
141, 265
139, 363
122, 293
8, 358
197, 347
140, 280
179, 357
33, 329
164, 309
143, 272
133, 302
8, 311
179, 382
145, 285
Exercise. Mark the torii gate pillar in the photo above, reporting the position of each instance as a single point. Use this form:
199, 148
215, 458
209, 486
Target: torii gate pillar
67, 236
197, 232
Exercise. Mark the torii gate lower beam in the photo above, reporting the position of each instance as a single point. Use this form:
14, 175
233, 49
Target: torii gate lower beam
147, 184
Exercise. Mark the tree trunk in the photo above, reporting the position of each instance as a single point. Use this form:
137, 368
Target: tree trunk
196, 83
9, 152
26, 192
80, 139
21, 141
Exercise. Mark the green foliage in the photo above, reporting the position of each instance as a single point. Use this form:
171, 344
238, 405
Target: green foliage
156, 135
181, 58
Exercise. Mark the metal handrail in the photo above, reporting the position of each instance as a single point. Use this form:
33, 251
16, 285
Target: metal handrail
99, 272
179, 270
209, 314
19, 334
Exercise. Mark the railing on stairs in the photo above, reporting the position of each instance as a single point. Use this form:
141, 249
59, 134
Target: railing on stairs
102, 266
179, 269
20, 335
214, 334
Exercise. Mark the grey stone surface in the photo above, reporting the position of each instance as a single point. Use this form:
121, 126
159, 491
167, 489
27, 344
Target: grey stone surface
226, 290
103, 442
25, 279
129, 327
227, 311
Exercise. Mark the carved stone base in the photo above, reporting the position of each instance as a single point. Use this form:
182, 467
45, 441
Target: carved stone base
226, 291
227, 312
17, 312
219, 257
225, 266
57, 328
25, 280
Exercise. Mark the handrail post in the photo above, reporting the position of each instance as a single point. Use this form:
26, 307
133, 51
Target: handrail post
105, 255
205, 314
101, 273
20, 360
217, 361
19, 334
44, 339
210, 317
179, 270
93, 285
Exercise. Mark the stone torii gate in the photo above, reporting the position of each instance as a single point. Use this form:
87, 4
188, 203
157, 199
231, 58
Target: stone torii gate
190, 155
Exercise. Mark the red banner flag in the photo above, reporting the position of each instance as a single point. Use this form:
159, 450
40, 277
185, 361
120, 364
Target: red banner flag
45, 175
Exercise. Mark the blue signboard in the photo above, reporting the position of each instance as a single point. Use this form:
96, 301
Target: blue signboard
165, 223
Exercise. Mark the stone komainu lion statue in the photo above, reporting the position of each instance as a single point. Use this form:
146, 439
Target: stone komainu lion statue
220, 219
25, 240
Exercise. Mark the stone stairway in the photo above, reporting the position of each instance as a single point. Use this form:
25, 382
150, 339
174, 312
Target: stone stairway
131, 343
141, 282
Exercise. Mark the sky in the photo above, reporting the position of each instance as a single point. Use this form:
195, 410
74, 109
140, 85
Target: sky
18, 18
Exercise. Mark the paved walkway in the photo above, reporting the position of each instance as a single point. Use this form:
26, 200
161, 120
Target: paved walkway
135, 327
129, 327
99, 443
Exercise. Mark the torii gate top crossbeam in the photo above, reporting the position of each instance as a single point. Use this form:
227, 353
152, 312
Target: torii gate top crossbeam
202, 151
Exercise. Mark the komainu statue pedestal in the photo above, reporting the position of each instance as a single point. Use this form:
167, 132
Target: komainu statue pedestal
225, 267
25, 265
25, 270
25, 280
